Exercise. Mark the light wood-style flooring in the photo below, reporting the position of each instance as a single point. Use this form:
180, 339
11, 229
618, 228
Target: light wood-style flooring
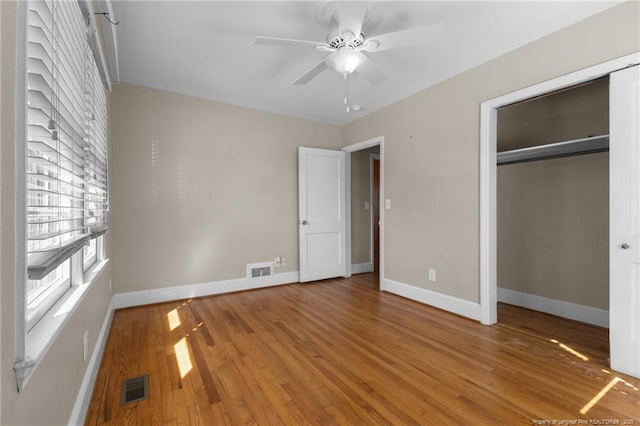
342, 352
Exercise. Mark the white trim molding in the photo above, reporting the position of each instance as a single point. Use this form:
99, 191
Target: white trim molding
445, 302
169, 294
574, 311
369, 143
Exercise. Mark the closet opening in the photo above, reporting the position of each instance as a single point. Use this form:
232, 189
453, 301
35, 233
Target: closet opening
553, 203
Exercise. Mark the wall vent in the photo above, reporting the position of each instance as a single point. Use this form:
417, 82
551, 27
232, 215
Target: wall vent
259, 270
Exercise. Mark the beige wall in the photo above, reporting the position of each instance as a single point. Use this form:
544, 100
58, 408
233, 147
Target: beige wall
553, 228
2, 125
553, 215
432, 149
200, 188
361, 218
51, 392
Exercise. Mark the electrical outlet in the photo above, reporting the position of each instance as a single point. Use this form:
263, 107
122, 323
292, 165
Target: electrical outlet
432, 275
282, 261
85, 345
366, 205
110, 291
276, 262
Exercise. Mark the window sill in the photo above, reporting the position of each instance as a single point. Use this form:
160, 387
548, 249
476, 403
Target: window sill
44, 333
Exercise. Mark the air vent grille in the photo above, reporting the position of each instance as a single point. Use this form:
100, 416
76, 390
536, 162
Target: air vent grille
264, 271
134, 389
260, 270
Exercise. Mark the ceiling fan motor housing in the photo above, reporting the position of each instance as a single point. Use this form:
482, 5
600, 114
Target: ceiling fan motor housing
346, 39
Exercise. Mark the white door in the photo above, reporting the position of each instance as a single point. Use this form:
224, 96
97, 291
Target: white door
321, 220
624, 210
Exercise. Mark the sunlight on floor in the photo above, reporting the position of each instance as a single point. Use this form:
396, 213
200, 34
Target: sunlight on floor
174, 319
570, 350
605, 390
182, 357
600, 394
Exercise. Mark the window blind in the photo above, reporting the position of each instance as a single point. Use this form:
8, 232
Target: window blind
96, 190
66, 137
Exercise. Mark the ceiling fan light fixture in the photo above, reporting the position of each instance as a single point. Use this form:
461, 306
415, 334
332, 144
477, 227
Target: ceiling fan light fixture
344, 61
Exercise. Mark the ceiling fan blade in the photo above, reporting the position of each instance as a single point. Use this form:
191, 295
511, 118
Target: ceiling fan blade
404, 38
370, 71
351, 16
273, 41
311, 74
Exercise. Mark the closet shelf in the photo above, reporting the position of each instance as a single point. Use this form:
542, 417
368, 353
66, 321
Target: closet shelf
554, 150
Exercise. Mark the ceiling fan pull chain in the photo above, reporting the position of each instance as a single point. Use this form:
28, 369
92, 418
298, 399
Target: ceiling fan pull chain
346, 89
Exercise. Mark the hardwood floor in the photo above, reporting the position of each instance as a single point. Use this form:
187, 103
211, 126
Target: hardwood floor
341, 352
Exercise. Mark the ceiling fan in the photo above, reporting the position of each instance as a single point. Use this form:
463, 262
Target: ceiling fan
347, 44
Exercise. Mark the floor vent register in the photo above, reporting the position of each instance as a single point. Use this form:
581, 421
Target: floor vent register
134, 389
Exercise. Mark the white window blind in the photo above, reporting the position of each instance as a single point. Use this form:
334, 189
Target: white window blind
96, 195
66, 138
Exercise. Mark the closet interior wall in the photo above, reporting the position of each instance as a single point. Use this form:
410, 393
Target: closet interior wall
553, 214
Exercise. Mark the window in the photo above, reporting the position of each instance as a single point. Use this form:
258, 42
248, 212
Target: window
89, 254
65, 156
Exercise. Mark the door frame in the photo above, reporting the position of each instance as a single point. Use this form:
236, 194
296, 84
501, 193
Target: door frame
376, 141
488, 144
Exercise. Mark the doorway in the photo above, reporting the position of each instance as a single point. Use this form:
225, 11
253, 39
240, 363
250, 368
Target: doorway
365, 192
553, 203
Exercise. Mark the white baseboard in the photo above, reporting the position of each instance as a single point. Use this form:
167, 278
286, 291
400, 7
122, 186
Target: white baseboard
168, 294
361, 268
582, 313
448, 303
83, 399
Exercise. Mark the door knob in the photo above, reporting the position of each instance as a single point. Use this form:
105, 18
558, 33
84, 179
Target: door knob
304, 222
624, 246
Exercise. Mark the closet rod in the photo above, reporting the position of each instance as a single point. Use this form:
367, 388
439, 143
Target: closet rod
553, 150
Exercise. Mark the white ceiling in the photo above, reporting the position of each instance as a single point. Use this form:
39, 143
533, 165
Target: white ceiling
206, 48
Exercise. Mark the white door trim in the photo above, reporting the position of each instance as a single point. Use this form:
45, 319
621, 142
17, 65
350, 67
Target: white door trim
488, 134
377, 141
